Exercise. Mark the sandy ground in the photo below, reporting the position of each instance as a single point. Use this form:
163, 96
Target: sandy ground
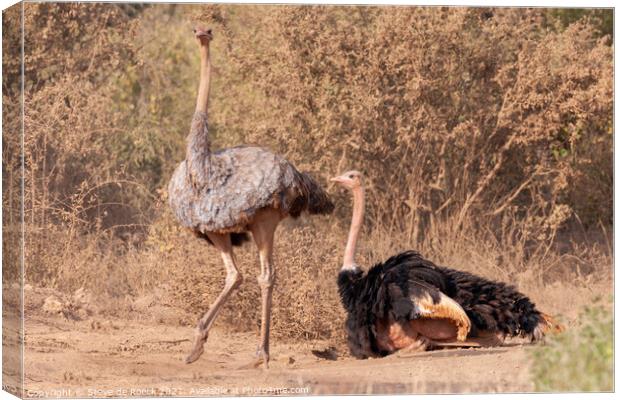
126, 358
109, 357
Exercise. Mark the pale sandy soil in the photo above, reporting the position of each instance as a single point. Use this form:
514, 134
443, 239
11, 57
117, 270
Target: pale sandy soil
109, 357
77, 360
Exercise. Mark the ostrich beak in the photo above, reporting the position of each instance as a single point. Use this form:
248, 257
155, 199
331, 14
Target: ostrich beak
202, 32
338, 179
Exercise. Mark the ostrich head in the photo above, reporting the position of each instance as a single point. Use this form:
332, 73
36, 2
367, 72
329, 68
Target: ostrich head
351, 180
203, 35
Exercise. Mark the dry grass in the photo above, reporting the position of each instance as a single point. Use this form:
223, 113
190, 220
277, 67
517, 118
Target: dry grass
188, 275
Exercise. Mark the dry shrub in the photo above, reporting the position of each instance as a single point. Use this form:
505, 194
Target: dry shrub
100, 132
305, 301
485, 136
11, 129
453, 114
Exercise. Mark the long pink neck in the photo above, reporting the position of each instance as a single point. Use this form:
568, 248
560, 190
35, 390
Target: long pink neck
356, 225
202, 100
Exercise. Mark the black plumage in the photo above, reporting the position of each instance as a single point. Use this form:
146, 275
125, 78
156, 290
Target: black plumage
389, 290
236, 239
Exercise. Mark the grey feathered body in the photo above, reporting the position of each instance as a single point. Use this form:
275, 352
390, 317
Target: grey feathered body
222, 191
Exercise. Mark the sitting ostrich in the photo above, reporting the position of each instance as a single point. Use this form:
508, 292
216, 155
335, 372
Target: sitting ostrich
409, 303
222, 195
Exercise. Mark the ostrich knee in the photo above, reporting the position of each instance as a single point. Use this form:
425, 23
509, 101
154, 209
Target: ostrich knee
233, 280
266, 280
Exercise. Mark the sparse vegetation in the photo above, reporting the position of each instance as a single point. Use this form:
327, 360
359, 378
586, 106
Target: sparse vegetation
581, 359
486, 136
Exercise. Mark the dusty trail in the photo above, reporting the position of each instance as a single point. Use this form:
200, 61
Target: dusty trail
107, 358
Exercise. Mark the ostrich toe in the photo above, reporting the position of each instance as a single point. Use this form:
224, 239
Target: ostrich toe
197, 350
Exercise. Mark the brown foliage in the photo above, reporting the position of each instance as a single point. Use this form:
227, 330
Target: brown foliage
469, 115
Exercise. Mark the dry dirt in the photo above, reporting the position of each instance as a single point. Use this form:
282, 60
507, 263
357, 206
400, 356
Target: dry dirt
71, 356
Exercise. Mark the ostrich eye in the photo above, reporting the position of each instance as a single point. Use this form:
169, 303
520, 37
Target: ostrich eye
351, 176
194, 30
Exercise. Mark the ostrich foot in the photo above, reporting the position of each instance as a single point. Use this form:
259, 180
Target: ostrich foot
198, 349
256, 364
262, 358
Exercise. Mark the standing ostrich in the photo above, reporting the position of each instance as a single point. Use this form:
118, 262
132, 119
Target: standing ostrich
222, 195
409, 303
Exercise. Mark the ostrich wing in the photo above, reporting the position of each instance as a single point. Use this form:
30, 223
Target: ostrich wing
425, 301
415, 289
433, 304
240, 181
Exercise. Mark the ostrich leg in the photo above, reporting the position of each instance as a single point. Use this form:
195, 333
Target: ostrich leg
233, 280
263, 233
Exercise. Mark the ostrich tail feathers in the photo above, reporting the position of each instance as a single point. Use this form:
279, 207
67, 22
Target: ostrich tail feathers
237, 239
317, 199
546, 325
551, 325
